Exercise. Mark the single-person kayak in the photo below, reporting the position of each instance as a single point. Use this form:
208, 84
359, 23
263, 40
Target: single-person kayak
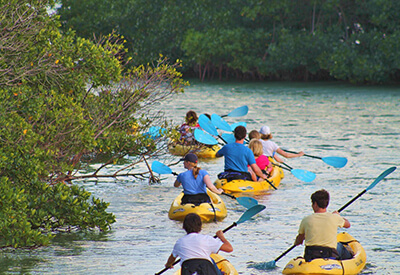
208, 212
329, 266
223, 264
202, 151
242, 186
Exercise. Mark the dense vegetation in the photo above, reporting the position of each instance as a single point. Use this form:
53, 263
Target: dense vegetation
351, 40
64, 101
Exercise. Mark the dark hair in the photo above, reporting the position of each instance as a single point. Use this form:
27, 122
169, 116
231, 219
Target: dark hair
321, 197
192, 223
191, 117
240, 132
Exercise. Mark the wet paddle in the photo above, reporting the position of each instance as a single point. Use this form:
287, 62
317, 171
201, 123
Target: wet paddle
301, 174
272, 264
337, 162
245, 217
161, 168
204, 137
220, 123
208, 126
238, 112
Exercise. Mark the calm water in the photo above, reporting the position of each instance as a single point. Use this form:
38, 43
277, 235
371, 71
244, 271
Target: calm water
361, 124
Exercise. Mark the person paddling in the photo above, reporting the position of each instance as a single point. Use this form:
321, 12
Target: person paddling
195, 249
319, 231
195, 182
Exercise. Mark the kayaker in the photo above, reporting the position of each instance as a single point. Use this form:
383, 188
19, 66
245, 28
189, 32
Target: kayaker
187, 128
270, 148
195, 182
262, 161
319, 231
254, 134
194, 249
237, 158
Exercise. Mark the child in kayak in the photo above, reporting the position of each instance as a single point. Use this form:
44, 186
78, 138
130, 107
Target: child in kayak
194, 249
187, 128
270, 148
195, 182
262, 161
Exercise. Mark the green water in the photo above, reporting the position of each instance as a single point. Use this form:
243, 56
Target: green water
322, 119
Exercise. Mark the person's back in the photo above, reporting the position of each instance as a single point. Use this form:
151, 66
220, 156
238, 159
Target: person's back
237, 157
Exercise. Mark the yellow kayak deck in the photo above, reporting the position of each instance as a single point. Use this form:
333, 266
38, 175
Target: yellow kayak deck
242, 186
223, 264
329, 266
206, 212
200, 151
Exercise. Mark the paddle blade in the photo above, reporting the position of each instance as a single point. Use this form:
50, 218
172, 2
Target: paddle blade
207, 125
229, 138
160, 168
238, 112
155, 132
247, 201
204, 138
303, 175
250, 213
234, 125
380, 177
337, 162
220, 123
264, 266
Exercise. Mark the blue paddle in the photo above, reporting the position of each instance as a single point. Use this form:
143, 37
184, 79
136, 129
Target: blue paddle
220, 123
208, 126
229, 138
245, 217
337, 162
238, 112
301, 174
161, 168
155, 132
272, 264
204, 138
234, 125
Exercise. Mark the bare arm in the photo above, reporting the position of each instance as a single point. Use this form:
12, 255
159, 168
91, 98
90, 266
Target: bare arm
210, 185
289, 155
346, 222
226, 246
258, 171
170, 261
299, 239
177, 183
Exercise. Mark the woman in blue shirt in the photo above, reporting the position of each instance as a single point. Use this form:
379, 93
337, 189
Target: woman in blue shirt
195, 182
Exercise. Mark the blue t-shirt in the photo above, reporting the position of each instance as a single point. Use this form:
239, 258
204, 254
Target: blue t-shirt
192, 186
237, 157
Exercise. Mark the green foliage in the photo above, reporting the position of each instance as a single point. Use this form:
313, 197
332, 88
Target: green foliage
65, 100
263, 39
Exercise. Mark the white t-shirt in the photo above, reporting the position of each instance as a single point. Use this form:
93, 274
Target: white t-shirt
195, 245
269, 147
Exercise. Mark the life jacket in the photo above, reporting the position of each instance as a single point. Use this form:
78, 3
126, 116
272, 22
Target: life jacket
198, 267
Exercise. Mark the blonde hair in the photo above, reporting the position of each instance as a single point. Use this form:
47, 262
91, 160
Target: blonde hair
194, 168
254, 134
256, 146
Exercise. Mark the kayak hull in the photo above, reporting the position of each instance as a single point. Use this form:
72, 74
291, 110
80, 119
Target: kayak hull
223, 264
245, 186
329, 266
206, 212
200, 151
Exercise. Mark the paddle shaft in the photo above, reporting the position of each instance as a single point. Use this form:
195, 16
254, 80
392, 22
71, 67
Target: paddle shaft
304, 154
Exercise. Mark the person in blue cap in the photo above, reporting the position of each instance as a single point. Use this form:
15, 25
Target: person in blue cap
195, 182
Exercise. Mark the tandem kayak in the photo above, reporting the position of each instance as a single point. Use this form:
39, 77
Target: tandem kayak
205, 210
329, 266
202, 151
223, 264
241, 186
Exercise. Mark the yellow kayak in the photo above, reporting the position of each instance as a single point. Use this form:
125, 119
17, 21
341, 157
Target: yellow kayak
328, 266
241, 186
201, 151
223, 264
206, 212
